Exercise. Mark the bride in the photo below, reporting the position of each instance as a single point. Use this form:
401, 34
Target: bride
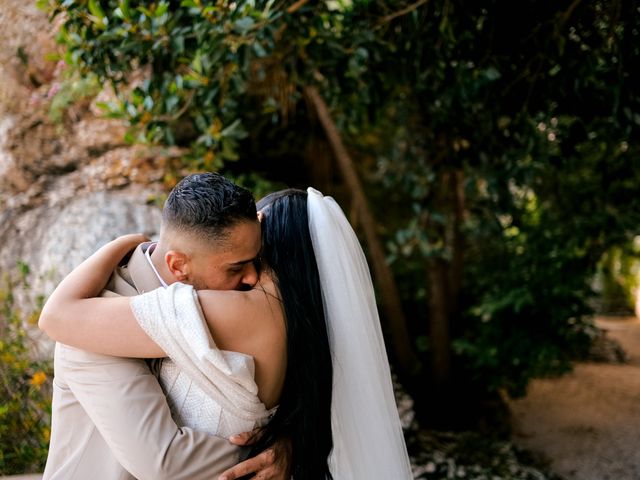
301, 355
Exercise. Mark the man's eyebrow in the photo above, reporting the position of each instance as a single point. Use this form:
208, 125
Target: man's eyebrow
242, 262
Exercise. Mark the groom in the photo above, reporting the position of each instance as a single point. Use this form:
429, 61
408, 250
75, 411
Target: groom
110, 419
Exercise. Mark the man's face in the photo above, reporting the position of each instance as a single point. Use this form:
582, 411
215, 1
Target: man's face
231, 265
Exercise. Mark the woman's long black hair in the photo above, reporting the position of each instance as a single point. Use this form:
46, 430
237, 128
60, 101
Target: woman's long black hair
304, 412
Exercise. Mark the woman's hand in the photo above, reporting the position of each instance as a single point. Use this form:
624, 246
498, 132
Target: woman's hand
90, 277
129, 241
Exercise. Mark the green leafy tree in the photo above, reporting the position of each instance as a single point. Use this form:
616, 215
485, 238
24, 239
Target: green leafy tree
492, 138
514, 157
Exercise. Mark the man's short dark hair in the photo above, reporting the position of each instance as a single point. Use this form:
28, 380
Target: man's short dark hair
208, 204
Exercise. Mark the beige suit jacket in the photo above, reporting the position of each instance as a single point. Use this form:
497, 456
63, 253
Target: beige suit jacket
110, 419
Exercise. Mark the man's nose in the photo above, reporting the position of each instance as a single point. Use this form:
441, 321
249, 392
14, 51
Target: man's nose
250, 276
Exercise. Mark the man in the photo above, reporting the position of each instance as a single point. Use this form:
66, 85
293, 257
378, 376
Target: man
110, 419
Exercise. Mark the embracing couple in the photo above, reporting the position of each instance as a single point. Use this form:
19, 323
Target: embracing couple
246, 341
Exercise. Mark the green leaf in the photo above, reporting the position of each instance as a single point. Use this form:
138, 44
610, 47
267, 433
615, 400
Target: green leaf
492, 74
235, 130
42, 5
99, 18
162, 8
228, 151
23, 268
146, 11
132, 110
259, 50
555, 70
243, 25
178, 43
148, 103
196, 64
124, 10
171, 102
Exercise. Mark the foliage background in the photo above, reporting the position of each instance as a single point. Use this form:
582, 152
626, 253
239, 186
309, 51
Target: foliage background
492, 141
25, 387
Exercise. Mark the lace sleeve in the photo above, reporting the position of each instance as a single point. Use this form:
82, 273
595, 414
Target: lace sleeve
172, 317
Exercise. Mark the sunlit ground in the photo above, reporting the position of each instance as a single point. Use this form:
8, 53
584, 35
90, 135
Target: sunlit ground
587, 423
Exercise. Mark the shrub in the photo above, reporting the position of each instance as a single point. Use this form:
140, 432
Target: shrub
25, 387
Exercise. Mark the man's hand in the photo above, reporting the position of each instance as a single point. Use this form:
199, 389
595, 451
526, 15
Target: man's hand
272, 464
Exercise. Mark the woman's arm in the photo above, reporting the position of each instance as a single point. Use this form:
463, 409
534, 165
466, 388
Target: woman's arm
103, 325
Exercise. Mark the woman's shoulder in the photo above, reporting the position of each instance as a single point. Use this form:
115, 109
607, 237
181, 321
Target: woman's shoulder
240, 301
237, 319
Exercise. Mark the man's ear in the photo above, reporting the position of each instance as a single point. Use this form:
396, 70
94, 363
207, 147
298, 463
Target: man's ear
178, 265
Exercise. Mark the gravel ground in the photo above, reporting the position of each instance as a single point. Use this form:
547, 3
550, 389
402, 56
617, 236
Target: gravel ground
587, 423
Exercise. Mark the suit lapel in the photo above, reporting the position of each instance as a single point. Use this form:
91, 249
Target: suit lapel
142, 275
144, 279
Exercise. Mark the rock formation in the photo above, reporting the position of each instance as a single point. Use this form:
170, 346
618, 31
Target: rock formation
70, 184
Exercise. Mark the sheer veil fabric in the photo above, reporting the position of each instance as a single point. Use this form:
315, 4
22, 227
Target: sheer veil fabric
367, 433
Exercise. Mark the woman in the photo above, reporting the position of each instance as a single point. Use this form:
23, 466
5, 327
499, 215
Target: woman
330, 379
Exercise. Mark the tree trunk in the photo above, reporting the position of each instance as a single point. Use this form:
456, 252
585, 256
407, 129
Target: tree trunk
402, 345
457, 243
445, 277
439, 324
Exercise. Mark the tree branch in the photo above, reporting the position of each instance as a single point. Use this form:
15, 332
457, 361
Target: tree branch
179, 113
566, 15
384, 276
404, 11
297, 5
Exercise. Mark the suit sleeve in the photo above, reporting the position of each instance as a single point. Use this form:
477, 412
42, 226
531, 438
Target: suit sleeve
129, 409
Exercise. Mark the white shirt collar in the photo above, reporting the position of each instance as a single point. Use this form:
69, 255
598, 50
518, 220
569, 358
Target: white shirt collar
147, 254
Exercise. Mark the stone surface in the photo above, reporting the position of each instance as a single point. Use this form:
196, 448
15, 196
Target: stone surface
56, 239
26, 36
52, 240
66, 186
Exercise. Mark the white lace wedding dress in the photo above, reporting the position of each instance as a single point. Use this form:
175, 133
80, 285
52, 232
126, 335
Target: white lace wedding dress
207, 389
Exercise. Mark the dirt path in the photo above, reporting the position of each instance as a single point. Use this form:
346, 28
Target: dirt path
588, 422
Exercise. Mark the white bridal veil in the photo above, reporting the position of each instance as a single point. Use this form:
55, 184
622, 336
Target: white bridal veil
367, 433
